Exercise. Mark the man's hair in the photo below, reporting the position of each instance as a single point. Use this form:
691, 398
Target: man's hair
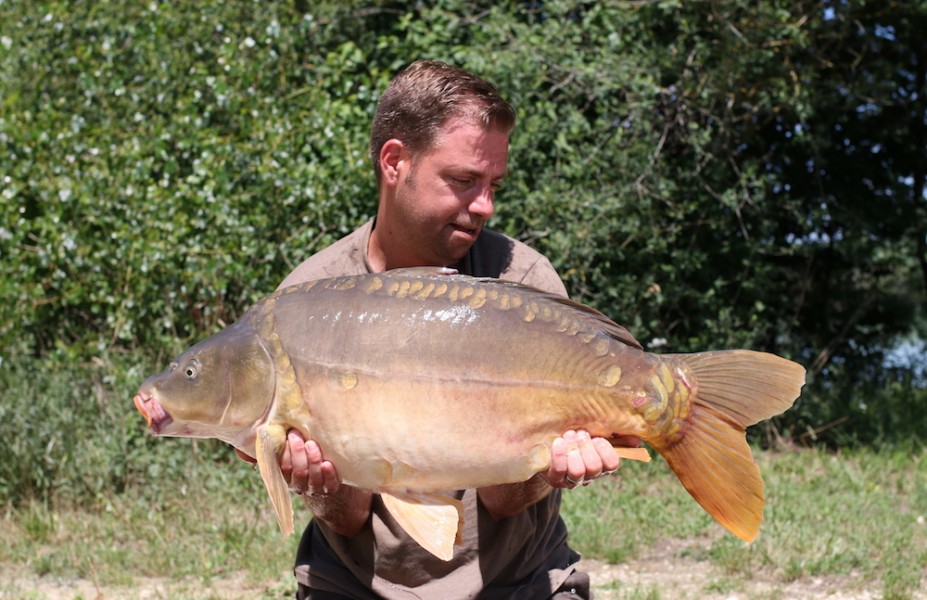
424, 96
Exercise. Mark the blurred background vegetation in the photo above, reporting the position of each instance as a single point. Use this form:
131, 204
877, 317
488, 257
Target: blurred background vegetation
710, 174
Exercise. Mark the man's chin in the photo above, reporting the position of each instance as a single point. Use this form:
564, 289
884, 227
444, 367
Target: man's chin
457, 247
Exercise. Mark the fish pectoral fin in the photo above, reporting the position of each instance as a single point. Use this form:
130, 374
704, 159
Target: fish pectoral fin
640, 454
433, 520
270, 441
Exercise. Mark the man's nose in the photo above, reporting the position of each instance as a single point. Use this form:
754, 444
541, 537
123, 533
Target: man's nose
484, 203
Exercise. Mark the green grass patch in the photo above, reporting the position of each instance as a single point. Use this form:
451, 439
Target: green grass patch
857, 513
212, 526
643, 503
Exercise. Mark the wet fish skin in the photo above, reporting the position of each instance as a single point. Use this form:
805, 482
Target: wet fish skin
414, 382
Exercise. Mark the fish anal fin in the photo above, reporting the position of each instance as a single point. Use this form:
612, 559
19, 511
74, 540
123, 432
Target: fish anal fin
433, 520
640, 454
270, 440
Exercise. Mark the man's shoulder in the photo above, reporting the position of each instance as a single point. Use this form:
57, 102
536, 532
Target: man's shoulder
498, 255
347, 256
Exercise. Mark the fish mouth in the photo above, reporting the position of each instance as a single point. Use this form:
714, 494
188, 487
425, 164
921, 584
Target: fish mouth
157, 418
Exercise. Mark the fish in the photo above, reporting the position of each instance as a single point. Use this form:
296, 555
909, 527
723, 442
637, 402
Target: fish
419, 381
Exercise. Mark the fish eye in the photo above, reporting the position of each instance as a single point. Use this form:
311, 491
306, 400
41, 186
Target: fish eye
192, 369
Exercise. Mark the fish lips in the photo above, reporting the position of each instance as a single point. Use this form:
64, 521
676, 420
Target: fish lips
157, 418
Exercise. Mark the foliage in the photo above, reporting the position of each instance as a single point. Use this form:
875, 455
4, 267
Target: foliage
72, 436
709, 174
163, 165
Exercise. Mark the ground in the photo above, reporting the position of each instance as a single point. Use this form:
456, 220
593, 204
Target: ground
660, 575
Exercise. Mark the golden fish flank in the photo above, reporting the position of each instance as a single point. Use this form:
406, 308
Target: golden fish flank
373, 285
478, 299
338, 358
425, 292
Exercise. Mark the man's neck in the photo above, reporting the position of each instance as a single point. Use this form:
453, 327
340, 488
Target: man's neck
384, 254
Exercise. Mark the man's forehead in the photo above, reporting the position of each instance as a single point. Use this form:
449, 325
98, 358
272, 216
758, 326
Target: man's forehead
472, 139
466, 123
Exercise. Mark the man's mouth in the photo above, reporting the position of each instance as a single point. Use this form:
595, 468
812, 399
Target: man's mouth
468, 228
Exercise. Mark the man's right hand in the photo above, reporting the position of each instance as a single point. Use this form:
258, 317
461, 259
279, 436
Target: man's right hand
344, 508
304, 468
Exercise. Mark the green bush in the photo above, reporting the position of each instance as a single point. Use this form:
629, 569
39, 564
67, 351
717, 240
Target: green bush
72, 436
164, 168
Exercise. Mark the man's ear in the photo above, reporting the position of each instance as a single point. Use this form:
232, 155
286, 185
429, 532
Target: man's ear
392, 153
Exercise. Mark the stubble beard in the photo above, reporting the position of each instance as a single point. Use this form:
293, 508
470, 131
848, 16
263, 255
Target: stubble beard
440, 245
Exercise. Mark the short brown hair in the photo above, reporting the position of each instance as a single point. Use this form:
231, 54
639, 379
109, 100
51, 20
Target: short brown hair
424, 96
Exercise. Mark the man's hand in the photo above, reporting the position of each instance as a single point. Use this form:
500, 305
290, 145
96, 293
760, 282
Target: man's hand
577, 459
304, 469
344, 508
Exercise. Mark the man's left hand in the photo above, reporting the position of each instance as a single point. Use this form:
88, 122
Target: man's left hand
577, 459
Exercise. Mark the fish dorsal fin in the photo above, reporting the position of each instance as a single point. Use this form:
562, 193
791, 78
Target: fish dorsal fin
597, 318
413, 271
432, 520
269, 439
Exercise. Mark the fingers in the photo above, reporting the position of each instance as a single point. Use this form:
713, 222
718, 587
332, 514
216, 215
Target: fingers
322, 476
578, 459
610, 459
583, 462
294, 463
558, 461
304, 468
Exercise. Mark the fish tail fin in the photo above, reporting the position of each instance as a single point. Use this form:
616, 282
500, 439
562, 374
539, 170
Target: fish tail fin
270, 440
733, 390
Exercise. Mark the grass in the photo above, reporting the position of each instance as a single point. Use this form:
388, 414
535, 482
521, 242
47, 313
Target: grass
858, 514
209, 529
827, 515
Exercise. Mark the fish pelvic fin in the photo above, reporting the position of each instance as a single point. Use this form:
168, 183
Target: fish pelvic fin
711, 457
433, 520
268, 444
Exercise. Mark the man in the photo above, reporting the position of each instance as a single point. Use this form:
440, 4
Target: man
439, 146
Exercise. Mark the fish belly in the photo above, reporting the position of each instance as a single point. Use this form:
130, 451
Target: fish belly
430, 435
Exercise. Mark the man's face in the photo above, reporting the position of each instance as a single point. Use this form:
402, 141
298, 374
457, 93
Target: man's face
445, 195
